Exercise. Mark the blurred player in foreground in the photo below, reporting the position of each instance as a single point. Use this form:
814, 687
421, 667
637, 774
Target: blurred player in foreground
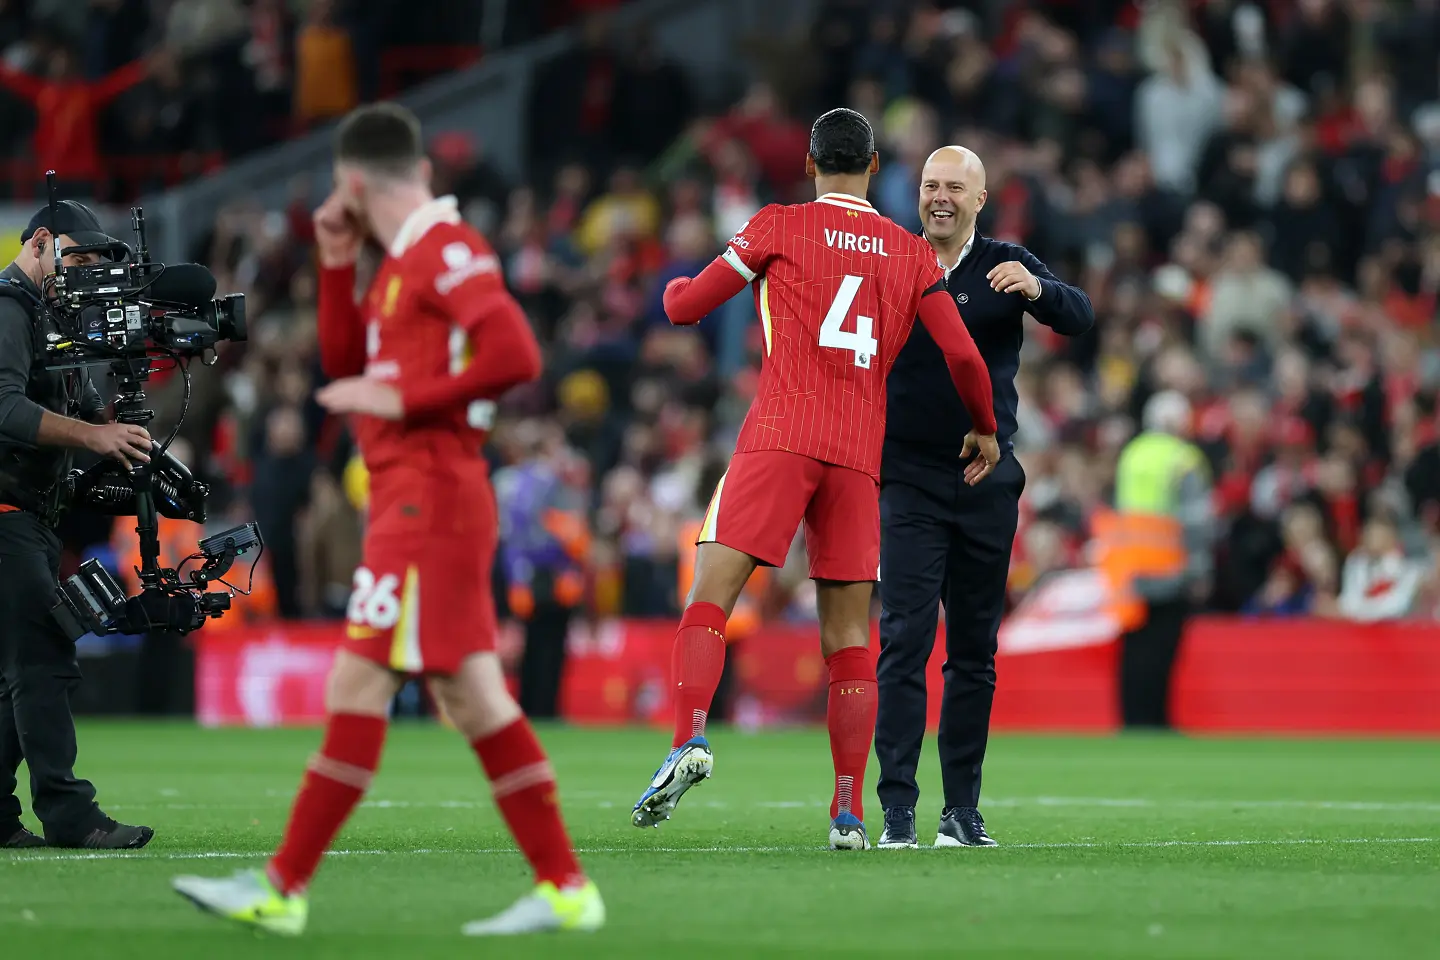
419, 362
837, 287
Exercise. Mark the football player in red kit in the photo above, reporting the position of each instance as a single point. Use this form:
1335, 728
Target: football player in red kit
417, 364
837, 287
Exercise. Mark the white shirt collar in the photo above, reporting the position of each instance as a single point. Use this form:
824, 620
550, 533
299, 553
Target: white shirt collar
846, 201
437, 211
964, 252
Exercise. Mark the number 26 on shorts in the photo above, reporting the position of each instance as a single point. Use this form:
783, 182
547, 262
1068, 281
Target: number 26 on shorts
374, 602
862, 342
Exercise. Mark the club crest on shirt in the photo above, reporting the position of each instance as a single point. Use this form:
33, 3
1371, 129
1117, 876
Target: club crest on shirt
392, 297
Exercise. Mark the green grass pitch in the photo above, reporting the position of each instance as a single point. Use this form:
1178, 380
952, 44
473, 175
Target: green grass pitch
1153, 847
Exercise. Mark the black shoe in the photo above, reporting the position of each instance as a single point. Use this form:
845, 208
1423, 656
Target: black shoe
108, 836
22, 839
899, 833
962, 827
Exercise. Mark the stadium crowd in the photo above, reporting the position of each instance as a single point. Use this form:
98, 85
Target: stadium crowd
123, 96
1249, 192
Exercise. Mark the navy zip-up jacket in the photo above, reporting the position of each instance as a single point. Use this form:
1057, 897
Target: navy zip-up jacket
922, 409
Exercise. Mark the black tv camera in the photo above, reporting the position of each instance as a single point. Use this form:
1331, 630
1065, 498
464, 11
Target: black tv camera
134, 308
127, 313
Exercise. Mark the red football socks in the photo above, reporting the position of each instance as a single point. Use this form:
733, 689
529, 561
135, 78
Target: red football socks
695, 668
335, 780
850, 717
523, 783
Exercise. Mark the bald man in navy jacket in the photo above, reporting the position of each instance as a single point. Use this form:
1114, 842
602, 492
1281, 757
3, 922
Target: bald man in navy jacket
943, 541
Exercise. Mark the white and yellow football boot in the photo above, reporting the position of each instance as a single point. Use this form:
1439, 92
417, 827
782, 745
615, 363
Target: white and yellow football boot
248, 897
546, 909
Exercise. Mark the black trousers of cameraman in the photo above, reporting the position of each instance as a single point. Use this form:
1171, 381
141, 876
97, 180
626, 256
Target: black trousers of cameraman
38, 673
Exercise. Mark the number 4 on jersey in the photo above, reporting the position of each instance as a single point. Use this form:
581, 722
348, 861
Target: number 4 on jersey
862, 342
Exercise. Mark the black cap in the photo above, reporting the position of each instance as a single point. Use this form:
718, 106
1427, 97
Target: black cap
76, 221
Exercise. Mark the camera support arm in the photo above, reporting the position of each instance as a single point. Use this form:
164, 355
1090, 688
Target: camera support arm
130, 408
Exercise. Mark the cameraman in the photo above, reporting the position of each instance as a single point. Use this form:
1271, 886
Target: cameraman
44, 416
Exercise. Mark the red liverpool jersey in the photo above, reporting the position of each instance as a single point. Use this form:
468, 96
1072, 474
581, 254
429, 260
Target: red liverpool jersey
438, 324
837, 288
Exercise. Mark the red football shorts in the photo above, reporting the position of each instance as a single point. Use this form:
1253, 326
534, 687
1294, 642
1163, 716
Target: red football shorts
764, 496
422, 599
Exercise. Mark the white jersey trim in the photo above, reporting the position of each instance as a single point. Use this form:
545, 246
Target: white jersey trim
427, 215
847, 202
733, 258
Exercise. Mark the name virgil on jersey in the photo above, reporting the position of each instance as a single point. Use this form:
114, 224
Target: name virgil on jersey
856, 242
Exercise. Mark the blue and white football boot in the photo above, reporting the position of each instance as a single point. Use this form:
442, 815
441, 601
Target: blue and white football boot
847, 832
686, 766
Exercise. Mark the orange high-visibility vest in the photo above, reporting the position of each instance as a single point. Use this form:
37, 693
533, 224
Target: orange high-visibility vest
746, 617
1132, 545
178, 540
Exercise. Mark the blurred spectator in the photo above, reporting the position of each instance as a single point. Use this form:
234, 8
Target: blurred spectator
737, 189
546, 540
573, 103
325, 82
1246, 296
14, 24
777, 142
232, 86
1303, 579
461, 168
268, 55
689, 248
912, 134
327, 547
653, 100
283, 464
1176, 109
1315, 45
626, 212
1379, 581
195, 27
113, 31
66, 105
1307, 236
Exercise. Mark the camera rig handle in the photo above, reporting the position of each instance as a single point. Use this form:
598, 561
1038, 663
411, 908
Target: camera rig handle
130, 376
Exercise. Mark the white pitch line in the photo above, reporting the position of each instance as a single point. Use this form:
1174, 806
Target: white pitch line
1136, 803
1143, 803
1158, 844
424, 852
